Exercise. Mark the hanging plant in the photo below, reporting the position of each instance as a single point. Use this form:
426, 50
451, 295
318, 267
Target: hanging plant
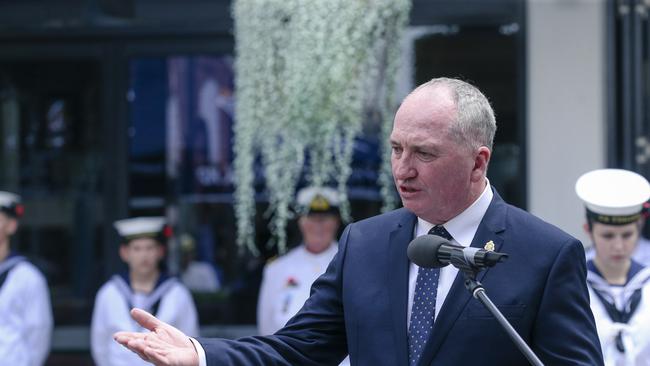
308, 75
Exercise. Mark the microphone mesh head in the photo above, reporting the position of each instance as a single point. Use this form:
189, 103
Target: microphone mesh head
423, 250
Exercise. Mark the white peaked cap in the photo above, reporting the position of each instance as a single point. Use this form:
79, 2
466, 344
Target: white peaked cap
317, 199
8, 199
613, 192
140, 226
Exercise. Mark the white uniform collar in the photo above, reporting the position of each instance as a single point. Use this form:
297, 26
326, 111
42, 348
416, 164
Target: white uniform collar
334, 247
463, 227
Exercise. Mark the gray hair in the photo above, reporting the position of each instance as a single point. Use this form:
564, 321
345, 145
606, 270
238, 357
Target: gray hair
475, 124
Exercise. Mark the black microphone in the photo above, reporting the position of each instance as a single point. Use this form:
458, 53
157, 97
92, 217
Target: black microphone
433, 251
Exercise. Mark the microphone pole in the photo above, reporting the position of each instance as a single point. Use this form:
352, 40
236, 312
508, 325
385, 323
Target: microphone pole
478, 292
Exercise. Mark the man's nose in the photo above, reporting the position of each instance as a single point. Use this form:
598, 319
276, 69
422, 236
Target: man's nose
403, 168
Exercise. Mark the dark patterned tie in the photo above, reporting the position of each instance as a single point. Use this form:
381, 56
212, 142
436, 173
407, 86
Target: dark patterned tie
424, 305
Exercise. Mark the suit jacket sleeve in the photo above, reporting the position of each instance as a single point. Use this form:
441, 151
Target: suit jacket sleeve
565, 331
315, 336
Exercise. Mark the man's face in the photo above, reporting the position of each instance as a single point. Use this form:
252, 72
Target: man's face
614, 244
142, 255
436, 177
318, 231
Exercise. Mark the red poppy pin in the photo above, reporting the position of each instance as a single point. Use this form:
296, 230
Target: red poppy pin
291, 282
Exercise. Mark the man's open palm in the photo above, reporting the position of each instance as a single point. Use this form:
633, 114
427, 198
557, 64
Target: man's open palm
164, 345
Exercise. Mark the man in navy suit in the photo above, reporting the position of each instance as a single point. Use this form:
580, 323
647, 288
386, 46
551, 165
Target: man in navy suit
384, 310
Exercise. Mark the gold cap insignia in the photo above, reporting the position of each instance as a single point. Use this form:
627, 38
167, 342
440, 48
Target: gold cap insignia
319, 203
489, 246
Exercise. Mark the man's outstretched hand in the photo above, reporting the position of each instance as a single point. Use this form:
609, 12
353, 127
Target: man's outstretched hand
164, 345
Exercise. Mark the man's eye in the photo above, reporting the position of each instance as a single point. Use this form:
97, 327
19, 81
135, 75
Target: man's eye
423, 155
397, 149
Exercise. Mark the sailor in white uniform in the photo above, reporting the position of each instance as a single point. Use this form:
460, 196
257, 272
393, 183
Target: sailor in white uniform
25, 311
144, 286
619, 287
288, 279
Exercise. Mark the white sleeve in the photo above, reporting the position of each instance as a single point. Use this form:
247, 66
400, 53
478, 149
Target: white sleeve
38, 320
203, 361
99, 336
264, 307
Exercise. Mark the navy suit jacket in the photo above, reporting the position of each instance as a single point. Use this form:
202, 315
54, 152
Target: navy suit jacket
360, 304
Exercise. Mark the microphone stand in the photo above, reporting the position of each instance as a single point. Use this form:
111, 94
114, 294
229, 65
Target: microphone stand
478, 292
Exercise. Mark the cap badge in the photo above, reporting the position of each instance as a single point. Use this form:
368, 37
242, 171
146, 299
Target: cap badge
319, 203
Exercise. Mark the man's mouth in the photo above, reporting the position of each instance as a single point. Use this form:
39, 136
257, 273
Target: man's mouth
407, 189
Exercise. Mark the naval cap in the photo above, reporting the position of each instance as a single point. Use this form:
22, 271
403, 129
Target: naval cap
10, 204
613, 196
312, 200
143, 227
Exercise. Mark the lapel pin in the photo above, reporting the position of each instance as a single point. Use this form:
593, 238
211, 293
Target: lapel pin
489, 246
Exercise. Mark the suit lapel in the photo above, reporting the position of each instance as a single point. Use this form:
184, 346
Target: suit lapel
491, 228
398, 282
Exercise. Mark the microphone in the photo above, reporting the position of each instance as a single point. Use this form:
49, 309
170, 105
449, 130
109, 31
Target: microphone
433, 251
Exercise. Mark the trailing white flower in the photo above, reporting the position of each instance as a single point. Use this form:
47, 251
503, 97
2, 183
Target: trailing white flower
309, 73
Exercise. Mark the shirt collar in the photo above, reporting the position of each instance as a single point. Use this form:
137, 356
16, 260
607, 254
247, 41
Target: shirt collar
463, 227
334, 247
11, 255
162, 277
635, 268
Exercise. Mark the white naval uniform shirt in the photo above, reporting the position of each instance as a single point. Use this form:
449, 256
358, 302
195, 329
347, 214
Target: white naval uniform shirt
286, 284
112, 314
635, 334
25, 315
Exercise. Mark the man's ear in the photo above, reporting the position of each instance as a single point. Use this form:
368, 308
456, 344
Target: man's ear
301, 221
124, 252
338, 221
481, 160
162, 250
585, 227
